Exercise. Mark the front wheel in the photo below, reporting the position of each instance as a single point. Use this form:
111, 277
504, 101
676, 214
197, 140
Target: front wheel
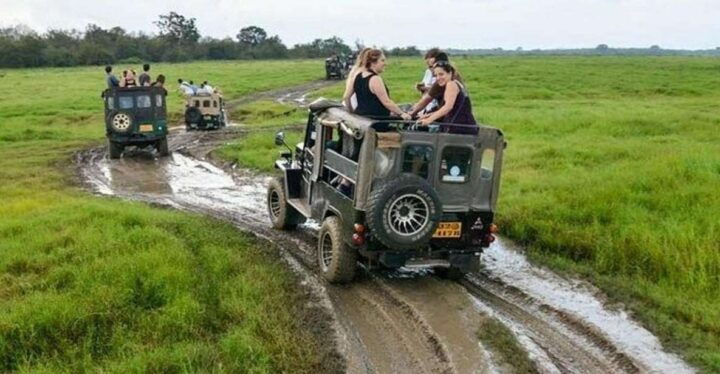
337, 260
282, 215
162, 147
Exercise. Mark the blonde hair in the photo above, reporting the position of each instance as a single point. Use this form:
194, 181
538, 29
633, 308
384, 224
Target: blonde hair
372, 57
360, 60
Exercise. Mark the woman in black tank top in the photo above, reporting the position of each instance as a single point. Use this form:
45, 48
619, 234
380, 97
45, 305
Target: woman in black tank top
455, 105
372, 95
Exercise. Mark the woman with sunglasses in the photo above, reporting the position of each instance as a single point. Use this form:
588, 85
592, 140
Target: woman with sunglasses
454, 102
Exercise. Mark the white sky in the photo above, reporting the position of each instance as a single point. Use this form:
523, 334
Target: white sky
691, 24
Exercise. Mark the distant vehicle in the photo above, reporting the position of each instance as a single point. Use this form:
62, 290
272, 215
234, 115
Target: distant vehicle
334, 68
205, 112
389, 192
136, 116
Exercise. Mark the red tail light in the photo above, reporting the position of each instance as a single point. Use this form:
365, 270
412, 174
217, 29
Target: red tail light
358, 239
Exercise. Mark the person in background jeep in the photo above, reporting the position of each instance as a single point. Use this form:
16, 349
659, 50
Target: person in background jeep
110, 78
144, 78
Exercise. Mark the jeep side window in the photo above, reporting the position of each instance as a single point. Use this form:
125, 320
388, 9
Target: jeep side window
126, 102
158, 101
110, 102
143, 101
416, 159
487, 164
455, 164
214, 103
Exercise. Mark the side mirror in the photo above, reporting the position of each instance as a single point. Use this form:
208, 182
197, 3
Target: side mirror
280, 138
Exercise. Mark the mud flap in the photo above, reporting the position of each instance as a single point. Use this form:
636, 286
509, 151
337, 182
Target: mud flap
466, 262
393, 260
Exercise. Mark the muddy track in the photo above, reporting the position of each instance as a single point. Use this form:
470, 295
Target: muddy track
406, 321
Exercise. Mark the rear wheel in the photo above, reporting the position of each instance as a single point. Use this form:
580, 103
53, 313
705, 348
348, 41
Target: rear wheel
282, 215
162, 147
114, 149
337, 260
404, 212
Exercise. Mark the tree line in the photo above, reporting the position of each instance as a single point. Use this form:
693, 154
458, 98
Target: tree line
177, 40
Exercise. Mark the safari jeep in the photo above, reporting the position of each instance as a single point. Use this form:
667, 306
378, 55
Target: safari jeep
334, 68
205, 112
136, 116
389, 192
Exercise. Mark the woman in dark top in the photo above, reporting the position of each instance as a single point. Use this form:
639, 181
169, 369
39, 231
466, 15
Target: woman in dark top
370, 90
455, 105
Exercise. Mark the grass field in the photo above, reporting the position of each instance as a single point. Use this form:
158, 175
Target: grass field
102, 285
612, 171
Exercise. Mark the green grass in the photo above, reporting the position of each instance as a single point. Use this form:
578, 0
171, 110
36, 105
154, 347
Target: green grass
257, 150
99, 284
507, 352
612, 171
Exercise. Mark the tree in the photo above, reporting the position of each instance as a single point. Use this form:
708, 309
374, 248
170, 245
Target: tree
252, 36
655, 47
602, 47
177, 28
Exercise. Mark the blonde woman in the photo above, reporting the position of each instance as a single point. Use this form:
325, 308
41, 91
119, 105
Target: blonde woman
349, 99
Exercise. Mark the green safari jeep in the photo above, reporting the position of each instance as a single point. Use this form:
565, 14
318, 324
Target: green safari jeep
136, 116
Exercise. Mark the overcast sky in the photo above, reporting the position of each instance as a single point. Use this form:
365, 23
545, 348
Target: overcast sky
692, 24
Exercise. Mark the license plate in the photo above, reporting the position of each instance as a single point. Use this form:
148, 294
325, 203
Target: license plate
448, 230
146, 128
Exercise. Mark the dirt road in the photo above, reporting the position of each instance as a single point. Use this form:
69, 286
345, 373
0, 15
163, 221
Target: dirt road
407, 321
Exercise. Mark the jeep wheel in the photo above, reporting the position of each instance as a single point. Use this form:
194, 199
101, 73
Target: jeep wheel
336, 259
120, 121
162, 147
193, 116
404, 212
282, 215
114, 149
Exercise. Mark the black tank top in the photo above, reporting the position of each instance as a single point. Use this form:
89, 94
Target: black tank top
461, 112
368, 103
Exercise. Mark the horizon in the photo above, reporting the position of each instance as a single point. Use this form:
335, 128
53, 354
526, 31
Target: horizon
479, 24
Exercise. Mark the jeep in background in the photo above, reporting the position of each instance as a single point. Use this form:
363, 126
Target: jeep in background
136, 116
205, 111
389, 192
334, 68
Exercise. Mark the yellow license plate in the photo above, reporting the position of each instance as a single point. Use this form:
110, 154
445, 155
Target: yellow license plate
146, 128
448, 230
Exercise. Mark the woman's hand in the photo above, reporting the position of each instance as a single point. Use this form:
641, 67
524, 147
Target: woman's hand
406, 116
426, 120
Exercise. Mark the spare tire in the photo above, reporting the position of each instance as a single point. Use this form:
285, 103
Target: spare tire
120, 121
404, 212
193, 115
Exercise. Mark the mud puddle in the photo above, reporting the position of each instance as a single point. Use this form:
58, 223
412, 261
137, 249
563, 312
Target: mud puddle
407, 321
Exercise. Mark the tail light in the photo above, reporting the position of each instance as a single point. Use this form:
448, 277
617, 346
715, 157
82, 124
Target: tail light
359, 228
358, 239
493, 229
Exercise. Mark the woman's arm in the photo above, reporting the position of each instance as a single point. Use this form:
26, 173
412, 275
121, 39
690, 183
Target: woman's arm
378, 88
451, 93
349, 88
424, 101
